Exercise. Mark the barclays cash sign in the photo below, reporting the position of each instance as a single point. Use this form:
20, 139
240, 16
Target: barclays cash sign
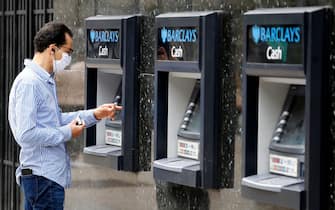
284, 34
178, 35
104, 36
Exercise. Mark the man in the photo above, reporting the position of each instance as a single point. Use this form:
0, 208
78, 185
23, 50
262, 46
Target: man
38, 125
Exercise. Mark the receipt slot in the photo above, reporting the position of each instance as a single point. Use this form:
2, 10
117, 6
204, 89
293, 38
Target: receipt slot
112, 72
286, 108
188, 98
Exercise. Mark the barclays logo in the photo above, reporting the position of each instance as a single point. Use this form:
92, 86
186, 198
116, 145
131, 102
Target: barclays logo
286, 34
178, 35
104, 36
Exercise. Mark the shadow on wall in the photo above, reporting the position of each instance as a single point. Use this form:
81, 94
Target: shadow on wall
70, 93
70, 85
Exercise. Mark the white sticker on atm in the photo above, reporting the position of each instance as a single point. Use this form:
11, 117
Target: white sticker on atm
189, 149
288, 166
113, 137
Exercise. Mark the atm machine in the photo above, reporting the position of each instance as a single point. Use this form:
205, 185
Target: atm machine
286, 108
112, 76
188, 99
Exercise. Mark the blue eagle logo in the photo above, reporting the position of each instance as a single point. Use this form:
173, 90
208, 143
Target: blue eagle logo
92, 36
164, 34
256, 33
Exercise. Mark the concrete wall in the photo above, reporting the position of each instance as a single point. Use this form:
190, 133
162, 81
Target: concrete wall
100, 188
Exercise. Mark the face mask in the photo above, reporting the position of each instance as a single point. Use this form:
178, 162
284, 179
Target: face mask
59, 65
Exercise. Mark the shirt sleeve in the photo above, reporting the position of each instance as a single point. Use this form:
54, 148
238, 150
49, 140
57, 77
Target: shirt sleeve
28, 133
86, 115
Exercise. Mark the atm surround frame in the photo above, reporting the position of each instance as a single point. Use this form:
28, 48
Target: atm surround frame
128, 158
208, 66
316, 21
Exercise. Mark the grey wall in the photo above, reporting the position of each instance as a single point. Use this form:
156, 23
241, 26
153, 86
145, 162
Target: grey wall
100, 188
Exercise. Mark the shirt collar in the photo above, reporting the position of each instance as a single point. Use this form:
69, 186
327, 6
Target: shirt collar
41, 72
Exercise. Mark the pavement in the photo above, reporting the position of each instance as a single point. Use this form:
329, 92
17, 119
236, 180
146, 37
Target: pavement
101, 188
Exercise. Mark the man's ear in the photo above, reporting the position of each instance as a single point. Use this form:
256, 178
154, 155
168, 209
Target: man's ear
52, 46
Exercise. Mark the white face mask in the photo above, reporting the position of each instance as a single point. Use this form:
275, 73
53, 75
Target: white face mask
59, 65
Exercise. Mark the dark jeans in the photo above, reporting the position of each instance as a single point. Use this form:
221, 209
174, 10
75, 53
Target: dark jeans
41, 193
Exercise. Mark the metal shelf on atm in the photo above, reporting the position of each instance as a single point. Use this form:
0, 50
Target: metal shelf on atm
104, 155
101, 150
176, 164
178, 170
290, 197
270, 182
275, 189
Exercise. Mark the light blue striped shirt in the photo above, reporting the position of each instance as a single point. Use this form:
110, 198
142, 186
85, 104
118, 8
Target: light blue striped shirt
38, 125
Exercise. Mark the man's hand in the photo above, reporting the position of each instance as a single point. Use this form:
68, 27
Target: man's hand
106, 110
76, 129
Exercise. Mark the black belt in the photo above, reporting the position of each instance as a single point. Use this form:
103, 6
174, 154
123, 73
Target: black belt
26, 171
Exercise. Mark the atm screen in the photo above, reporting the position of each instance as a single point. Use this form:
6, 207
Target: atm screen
178, 43
190, 126
275, 44
103, 43
194, 125
118, 101
294, 133
289, 134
